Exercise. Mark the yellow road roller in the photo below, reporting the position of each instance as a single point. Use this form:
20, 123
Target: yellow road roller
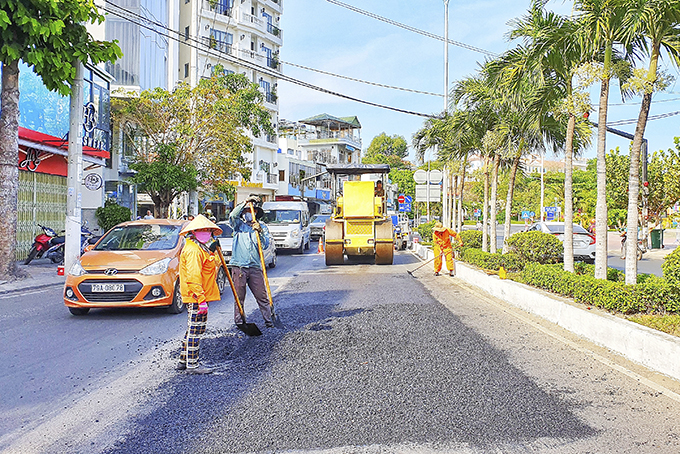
359, 225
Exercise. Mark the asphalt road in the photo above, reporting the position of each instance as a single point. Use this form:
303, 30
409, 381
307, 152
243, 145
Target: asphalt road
370, 360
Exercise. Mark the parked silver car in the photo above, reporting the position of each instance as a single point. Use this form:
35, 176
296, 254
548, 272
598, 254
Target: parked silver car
317, 224
584, 242
226, 242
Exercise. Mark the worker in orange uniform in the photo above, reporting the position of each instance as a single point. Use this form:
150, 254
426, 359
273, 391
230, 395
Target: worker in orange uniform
442, 245
198, 284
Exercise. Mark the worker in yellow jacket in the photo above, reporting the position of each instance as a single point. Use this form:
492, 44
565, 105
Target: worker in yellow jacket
441, 237
198, 284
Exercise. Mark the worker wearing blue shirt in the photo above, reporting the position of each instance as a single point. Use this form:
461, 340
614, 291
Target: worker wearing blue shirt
245, 259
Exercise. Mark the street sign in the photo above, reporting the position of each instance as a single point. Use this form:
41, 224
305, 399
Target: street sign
421, 193
409, 199
406, 207
420, 176
435, 176
401, 198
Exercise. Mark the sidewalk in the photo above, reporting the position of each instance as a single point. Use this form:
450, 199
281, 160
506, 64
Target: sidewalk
39, 273
671, 240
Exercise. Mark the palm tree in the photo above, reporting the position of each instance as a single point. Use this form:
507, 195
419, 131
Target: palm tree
600, 27
649, 25
475, 95
549, 55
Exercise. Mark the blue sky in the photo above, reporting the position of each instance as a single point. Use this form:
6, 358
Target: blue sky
328, 37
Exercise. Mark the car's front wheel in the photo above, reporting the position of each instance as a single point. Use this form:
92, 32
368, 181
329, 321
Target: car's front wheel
221, 280
177, 305
272, 264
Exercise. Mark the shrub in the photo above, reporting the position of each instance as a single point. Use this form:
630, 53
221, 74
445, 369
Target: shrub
536, 246
488, 261
671, 268
652, 295
425, 230
471, 238
112, 214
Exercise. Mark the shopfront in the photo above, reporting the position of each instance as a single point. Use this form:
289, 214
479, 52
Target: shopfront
43, 153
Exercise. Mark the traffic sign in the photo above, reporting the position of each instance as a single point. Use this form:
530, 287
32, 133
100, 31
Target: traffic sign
435, 176
420, 176
422, 196
401, 198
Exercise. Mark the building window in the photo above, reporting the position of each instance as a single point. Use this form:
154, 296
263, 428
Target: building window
186, 70
221, 41
186, 33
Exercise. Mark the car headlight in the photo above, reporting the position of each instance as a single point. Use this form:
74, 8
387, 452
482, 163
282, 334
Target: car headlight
295, 232
77, 270
158, 267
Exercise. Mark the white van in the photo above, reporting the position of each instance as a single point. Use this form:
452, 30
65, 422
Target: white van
288, 222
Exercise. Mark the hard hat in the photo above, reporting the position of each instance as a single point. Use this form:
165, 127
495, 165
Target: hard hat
201, 222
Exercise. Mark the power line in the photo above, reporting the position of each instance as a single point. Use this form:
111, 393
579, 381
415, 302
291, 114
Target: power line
635, 120
363, 81
207, 49
412, 29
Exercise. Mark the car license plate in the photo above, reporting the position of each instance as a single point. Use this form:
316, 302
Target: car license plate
102, 288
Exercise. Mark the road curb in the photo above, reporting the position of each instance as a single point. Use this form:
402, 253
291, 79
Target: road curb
651, 348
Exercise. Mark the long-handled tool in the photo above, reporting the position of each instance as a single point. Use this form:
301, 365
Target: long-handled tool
250, 329
275, 319
414, 270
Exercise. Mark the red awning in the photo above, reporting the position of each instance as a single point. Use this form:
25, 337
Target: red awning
46, 139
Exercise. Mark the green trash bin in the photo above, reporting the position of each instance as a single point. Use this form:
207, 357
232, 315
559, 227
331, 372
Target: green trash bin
657, 236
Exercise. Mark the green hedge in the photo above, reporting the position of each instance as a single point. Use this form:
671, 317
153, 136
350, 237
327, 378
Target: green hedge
471, 238
653, 295
425, 230
671, 268
535, 246
488, 261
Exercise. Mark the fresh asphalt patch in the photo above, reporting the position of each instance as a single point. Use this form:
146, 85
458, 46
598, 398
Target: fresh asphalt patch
367, 358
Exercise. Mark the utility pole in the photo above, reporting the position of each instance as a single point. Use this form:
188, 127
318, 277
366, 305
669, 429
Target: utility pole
446, 215
75, 171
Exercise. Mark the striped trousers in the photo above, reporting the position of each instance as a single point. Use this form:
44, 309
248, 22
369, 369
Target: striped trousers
195, 329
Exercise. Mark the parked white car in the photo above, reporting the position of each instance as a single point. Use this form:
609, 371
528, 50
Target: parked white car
584, 241
226, 240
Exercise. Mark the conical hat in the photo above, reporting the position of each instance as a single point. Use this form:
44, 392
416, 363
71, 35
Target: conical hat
439, 227
201, 222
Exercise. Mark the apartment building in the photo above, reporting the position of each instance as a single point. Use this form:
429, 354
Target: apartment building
306, 146
149, 60
240, 37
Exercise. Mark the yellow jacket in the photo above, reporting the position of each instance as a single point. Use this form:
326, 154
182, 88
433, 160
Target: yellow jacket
198, 274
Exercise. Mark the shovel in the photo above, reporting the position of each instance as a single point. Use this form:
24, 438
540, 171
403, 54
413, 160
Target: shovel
275, 319
249, 329
414, 270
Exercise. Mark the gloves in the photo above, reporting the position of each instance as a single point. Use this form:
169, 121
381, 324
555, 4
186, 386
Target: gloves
213, 246
202, 308
254, 200
257, 227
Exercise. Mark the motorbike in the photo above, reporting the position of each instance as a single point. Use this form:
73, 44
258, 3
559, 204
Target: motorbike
56, 252
44, 242
641, 249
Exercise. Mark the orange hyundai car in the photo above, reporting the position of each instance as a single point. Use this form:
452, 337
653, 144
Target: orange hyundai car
135, 264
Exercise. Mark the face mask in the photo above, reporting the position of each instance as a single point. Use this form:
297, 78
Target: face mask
203, 236
248, 217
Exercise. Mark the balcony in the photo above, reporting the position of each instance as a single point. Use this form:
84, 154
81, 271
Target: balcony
274, 30
219, 46
250, 19
273, 63
221, 9
252, 56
